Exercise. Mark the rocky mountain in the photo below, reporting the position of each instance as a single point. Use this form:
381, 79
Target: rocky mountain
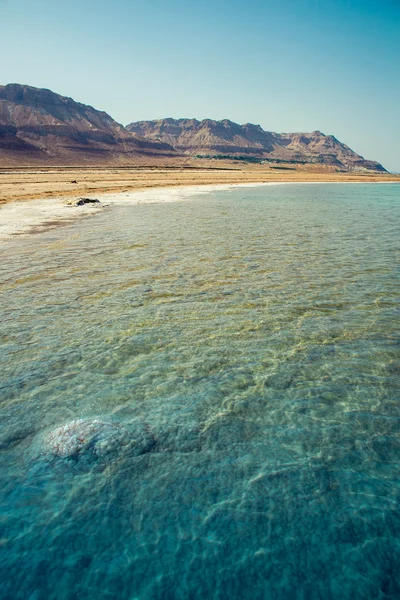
227, 139
39, 126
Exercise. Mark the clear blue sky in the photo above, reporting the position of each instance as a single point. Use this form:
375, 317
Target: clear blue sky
289, 65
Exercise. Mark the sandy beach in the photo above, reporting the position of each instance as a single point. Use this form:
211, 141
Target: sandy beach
33, 199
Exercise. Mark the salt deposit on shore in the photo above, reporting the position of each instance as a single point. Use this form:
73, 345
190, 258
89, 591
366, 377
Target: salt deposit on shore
19, 218
33, 216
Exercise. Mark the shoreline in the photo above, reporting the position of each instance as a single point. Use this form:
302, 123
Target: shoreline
27, 217
35, 184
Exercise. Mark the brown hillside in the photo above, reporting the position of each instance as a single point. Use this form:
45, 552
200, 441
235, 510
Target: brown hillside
39, 126
227, 139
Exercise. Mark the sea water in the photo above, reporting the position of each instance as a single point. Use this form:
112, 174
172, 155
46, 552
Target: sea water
200, 400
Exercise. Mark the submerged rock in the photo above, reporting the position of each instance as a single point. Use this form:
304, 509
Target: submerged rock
94, 440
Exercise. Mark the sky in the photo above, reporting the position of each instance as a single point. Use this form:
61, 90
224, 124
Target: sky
287, 65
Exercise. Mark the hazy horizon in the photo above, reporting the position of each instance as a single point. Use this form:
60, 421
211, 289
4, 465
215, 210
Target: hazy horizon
300, 66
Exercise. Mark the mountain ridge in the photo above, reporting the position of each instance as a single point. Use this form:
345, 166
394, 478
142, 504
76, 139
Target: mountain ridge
39, 124
215, 138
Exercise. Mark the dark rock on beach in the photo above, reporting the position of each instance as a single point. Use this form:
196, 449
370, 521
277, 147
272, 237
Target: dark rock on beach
83, 201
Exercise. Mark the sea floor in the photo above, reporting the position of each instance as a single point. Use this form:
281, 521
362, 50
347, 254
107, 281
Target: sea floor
200, 400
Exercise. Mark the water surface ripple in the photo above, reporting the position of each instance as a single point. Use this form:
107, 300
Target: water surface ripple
200, 400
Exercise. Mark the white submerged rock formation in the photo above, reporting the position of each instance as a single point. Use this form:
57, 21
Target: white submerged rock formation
94, 440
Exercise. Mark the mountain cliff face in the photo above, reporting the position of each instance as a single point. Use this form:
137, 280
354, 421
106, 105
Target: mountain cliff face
216, 138
39, 125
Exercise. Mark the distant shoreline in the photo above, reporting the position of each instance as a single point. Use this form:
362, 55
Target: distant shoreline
35, 212
38, 182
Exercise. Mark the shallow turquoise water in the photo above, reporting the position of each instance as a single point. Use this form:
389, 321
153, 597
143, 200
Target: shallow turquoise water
200, 400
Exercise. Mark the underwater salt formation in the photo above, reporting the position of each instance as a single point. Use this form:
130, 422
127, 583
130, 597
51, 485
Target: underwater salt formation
94, 440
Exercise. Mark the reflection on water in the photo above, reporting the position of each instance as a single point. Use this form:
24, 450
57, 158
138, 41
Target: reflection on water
198, 400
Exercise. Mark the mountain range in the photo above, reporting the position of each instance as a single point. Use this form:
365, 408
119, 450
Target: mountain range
38, 126
225, 139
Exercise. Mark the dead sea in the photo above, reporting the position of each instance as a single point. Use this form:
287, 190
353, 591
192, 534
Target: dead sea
199, 398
